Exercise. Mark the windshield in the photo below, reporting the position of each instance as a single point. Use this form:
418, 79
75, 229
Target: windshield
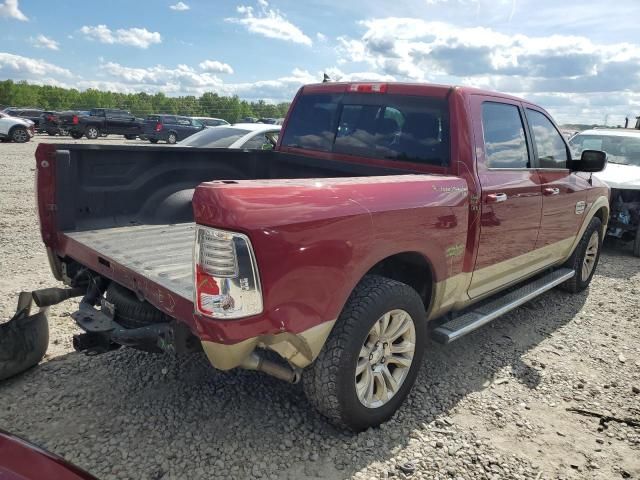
624, 150
398, 127
217, 137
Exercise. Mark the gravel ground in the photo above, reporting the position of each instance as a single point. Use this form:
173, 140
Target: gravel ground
494, 405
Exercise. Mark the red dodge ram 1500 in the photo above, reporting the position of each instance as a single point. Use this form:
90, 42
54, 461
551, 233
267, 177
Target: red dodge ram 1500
387, 213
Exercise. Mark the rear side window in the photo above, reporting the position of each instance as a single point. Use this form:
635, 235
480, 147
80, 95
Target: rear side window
504, 139
169, 120
551, 149
183, 121
396, 127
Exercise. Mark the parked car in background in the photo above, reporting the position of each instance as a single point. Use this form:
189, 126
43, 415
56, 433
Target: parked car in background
15, 129
211, 122
248, 120
31, 114
50, 123
240, 135
270, 121
169, 128
101, 121
622, 175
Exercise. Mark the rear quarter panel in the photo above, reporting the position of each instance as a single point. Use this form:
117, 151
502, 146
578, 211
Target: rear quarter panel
315, 239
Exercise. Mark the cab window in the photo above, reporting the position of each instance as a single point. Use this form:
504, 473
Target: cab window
505, 142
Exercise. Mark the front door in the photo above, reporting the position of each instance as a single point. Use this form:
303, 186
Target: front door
564, 194
511, 199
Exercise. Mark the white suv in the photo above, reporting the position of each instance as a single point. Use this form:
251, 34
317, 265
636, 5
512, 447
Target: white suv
15, 129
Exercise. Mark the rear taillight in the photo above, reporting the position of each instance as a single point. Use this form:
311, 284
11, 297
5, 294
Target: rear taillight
368, 87
226, 275
75, 120
158, 127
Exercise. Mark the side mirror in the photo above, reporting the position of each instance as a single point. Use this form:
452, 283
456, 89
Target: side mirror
590, 161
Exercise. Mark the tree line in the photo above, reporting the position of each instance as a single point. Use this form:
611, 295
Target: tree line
47, 97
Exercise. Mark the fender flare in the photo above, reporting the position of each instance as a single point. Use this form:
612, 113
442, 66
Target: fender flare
596, 206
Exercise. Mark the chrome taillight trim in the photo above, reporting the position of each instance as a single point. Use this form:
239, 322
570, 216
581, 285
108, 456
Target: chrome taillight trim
240, 292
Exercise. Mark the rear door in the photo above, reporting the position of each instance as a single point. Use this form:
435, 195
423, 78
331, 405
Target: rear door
564, 194
511, 198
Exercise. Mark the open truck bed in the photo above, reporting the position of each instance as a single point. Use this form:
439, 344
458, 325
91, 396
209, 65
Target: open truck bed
127, 213
161, 253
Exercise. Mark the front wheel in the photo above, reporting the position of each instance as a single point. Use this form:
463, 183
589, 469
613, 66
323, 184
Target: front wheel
20, 135
153, 140
172, 138
130, 137
372, 357
76, 135
92, 133
585, 258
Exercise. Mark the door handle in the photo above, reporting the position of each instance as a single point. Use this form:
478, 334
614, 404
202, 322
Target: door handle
496, 197
551, 191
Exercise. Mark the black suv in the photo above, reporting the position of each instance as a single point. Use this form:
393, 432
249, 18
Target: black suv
170, 128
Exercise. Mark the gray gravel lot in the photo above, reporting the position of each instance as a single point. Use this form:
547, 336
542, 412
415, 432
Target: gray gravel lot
491, 406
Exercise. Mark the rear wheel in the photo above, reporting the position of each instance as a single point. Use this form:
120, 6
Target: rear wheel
585, 258
371, 359
130, 137
19, 135
636, 243
76, 135
153, 140
92, 132
52, 133
172, 138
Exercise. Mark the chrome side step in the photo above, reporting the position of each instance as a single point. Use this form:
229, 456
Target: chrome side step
484, 313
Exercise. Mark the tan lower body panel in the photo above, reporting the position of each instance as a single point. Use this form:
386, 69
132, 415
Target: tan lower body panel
298, 349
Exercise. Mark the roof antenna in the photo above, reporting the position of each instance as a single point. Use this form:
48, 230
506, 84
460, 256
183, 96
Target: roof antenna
326, 78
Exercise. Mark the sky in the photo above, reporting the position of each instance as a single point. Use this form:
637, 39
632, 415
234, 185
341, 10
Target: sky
578, 59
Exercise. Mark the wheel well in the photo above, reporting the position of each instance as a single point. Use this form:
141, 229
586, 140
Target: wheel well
603, 215
14, 127
411, 268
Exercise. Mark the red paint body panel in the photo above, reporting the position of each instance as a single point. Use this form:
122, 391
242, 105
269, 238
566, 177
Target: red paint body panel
21, 460
315, 239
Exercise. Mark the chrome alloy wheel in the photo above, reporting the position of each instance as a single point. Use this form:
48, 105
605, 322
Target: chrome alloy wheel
385, 358
20, 135
590, 256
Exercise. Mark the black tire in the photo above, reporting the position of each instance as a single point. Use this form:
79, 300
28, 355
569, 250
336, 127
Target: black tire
130, 137
76, 135
329, 383
131, 312
172, 138
19, 135
577, 283
153, 140
636, 243
52, 133
92, 132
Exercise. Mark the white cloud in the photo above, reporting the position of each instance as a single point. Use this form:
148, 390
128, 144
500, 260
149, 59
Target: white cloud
23, 68
214, 66
45, 42
11, 9
270, 23
136, 37
436, 51
321, 37
180, 7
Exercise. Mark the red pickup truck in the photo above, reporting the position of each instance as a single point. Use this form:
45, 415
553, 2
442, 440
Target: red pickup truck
387, 214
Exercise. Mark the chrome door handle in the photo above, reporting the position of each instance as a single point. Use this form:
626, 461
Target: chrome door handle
496, 197
551, 191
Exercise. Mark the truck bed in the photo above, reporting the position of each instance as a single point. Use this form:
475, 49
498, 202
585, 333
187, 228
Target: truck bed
161, 253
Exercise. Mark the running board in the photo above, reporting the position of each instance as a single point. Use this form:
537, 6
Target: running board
483, 314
